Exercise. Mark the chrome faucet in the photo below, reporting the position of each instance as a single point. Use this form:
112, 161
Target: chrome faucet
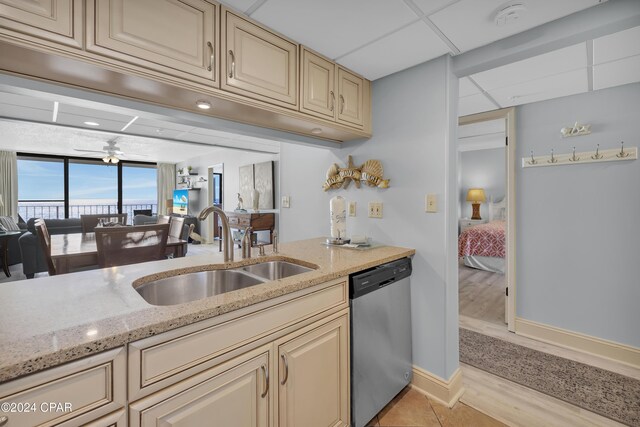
226, 231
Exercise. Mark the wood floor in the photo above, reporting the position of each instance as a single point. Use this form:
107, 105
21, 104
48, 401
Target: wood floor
481, 294
413, 409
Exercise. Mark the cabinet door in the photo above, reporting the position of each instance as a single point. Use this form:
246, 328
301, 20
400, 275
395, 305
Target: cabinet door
350, 98
56, 20
318, 96
313, 375
176, 37
258, 63
235, 393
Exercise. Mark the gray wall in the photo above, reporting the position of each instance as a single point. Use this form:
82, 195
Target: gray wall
412, 136
482, 169
578, 240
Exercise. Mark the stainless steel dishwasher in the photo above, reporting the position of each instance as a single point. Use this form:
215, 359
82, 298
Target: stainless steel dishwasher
381, 362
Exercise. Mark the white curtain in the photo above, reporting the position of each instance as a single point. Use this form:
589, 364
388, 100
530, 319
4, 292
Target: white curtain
166, 184
9, 184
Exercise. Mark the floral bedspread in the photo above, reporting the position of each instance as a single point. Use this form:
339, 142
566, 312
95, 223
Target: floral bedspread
483, 240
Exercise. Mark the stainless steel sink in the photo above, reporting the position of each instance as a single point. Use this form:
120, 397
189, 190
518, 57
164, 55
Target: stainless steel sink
195, 286
274, 270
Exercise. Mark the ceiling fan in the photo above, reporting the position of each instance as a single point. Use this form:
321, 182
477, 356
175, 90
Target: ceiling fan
113, 153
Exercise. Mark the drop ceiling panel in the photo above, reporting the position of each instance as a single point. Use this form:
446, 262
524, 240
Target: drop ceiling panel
25, 101
430, 6
334, 27
550, 87
475, 104
616, 73
470, 23
152, 131
78, 121
556, 62
88, 114
616, 46
410, 46
25, 113
488, 127
467, 88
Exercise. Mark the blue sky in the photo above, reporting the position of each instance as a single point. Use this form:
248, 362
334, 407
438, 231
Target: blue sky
44, 180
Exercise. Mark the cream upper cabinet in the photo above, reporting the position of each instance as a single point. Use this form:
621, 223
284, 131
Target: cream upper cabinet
317, 96
234, 394
313, 376
350, 98
176, 37
55, 20
258, 63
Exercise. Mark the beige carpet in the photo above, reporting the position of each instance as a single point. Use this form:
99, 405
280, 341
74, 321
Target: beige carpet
606, 393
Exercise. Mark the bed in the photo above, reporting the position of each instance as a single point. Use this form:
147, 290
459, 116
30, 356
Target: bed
483, 246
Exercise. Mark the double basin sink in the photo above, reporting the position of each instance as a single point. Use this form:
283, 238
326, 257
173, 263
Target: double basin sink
194, 286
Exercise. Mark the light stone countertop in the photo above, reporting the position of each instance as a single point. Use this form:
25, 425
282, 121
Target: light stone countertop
48, 321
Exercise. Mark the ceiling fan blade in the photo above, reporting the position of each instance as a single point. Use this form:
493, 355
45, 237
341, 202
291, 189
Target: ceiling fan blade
88, 151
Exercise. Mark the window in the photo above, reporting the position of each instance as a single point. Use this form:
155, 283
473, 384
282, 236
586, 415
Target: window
93, 188
41, 188
67, 187
139, 188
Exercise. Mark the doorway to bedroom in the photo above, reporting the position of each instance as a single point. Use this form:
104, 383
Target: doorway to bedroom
485, 188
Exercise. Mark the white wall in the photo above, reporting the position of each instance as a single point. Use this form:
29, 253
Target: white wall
411, 136
578, 243
232, 160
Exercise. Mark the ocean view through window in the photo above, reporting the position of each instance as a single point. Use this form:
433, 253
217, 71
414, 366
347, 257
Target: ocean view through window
63, 187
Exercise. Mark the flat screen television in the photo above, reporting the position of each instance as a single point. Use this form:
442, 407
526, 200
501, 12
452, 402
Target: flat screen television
181, 201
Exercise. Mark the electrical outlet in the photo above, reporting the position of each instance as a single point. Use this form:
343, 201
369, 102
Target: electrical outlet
375, 209
285, 202
431, 203
352, 208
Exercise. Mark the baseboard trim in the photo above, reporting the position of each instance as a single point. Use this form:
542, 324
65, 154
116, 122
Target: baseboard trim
576, 341
447, 392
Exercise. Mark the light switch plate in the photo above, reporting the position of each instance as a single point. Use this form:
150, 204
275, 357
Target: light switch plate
431, 203
285, 202
375, 209
352, 208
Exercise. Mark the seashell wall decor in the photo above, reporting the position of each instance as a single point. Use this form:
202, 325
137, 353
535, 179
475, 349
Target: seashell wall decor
370, 173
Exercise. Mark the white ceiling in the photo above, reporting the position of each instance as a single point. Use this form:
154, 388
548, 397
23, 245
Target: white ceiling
604, 62
379, 37
482, 135
27, 125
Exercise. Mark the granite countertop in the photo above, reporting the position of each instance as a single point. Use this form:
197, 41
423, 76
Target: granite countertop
48, 321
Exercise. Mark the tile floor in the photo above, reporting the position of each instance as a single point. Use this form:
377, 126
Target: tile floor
413, 409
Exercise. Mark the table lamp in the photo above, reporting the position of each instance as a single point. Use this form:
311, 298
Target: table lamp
476, 196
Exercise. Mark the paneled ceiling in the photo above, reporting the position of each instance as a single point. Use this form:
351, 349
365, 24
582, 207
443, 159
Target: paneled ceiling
380, 37
33, 125
608, 61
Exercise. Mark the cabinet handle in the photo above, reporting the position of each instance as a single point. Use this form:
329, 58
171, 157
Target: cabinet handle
265, 386
333, 101
341, 104
211, 58
233, 64
4, 420
286, 369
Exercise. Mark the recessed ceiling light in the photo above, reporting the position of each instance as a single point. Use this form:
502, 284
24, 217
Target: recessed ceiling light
316, 131
203, 105
92, 124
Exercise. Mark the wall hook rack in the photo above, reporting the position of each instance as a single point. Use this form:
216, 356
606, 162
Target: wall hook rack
573, 158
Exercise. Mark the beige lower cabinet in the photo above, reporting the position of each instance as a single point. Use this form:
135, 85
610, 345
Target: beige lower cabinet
236, 393
58, 21
74, 394
313, 375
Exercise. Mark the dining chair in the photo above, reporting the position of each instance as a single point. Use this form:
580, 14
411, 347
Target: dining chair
130, 245
45, 242
175, 227
90, 222
164, 219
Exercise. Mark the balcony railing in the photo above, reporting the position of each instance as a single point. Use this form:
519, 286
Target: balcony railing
55, 209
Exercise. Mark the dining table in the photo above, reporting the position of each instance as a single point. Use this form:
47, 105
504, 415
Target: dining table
77, 250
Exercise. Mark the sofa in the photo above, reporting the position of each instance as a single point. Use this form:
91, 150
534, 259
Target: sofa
13, 250
32, 255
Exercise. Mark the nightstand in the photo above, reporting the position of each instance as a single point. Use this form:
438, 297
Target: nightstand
466, 223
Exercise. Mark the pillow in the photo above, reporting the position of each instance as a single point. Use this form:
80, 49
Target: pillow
9, 223
498, 210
